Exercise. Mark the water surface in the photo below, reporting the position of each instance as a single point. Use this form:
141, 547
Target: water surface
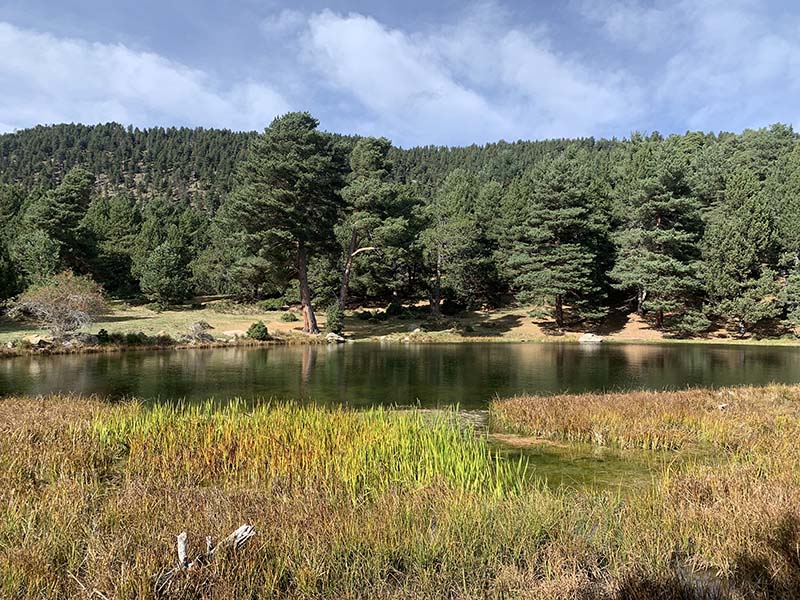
433, 375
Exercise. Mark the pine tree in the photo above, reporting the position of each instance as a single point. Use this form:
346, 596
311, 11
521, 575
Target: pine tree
557, 242
455, 245
165, 277
740, 255
377, 217
658, 245
287, 199
36, 255
59, 214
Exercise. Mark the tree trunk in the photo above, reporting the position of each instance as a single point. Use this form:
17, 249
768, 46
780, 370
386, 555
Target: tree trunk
659, 318
436, 294
309, 320
641, 296
559, 311
348, 267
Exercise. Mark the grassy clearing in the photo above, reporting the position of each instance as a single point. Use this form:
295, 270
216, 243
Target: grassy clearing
394, 505
174, 323
413, 325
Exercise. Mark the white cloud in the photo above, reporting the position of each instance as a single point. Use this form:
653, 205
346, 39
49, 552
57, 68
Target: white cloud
46, 79
475, 81
717, 64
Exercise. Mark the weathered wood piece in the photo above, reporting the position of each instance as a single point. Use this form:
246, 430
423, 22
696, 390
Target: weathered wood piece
235, 541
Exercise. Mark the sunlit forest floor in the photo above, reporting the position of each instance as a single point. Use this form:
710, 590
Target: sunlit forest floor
229, 321
401, 504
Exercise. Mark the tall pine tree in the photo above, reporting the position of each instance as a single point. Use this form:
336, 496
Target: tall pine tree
287, 198
658, 245
557, 244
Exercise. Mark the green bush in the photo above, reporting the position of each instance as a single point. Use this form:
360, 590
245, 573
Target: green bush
136, 339
258, 331
394, 309
334, 318
289, 317
364, 315
272, 304
103, 337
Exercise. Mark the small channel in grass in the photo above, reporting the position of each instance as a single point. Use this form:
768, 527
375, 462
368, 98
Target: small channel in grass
561, 464
582, 466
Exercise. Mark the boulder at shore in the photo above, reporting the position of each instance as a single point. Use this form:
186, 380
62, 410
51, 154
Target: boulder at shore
590, 338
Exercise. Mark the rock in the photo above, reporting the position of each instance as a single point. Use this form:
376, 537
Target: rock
86, 339
39, 341
590, 338
334, 338
413, 327
197, 332
9, 345
235, 333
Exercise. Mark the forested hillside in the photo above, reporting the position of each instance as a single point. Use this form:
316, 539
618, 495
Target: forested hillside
688, 230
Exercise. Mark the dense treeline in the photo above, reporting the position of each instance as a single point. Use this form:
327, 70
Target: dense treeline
689, 230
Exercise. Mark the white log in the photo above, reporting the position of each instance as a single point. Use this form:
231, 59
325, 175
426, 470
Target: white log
183, 546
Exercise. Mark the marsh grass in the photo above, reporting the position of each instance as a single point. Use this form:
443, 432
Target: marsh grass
383, 504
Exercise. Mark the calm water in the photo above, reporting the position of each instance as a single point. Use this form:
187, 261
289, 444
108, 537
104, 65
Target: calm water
428, 375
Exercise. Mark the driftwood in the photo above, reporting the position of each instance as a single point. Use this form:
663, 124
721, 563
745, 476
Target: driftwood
234, 542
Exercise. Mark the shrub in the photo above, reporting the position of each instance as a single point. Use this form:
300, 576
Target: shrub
103, 337
272, 304
63, 304
364, 315
289, 317
136, 339
394, 309
334, 318
258, 331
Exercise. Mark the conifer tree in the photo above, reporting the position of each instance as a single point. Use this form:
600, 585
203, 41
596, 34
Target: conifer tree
740, 255
376, 230
455, 245
59, 213
287, 199
658, 244
165, 277
555, 255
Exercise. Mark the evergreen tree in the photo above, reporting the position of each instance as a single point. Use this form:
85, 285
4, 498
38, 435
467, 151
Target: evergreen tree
114, 223
455, 245
36, 255
59, 214
9, 280
740, 255
165, 277
559, 236
287, 199
376, 218
658, 245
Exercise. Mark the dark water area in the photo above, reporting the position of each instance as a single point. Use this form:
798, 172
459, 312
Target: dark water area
365, 374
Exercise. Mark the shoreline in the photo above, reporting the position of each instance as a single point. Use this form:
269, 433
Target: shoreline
432, 338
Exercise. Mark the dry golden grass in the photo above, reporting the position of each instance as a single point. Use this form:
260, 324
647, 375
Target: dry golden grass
394, 505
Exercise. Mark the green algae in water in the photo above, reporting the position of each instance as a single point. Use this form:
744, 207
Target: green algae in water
585, 465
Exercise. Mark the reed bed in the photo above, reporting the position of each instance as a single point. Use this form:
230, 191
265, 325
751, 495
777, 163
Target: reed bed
383, 504
729, 419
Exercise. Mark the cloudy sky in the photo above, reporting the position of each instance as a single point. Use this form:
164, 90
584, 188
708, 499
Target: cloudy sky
419, 72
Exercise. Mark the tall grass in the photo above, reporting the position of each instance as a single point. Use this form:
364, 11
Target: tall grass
394, 505
364, 453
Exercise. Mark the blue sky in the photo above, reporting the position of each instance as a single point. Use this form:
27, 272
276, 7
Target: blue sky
417, 72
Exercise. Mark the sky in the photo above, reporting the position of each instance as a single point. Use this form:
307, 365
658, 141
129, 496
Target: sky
444, 73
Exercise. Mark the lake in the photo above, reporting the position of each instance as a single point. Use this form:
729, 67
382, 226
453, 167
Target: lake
432, 375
